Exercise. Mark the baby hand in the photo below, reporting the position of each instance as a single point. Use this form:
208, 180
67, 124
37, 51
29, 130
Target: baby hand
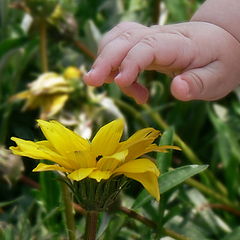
202, 58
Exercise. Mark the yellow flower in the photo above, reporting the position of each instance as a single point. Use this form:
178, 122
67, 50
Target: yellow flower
100, 159
49, 92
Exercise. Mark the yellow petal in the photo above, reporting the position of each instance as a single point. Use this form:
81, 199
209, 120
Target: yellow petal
48, 83
53, 104
138, 149
63, 139
37, 150
99, 175
138, 166
22, 95
149, 182
46, 144
45, 167
138, 142
149, 134
144, 147
162, 148
33, 102
109, 163
107, 138
80, 174
81, 159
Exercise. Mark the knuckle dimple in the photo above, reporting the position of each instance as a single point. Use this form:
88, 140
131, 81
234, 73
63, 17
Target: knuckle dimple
150, 41
126, 36
119, 28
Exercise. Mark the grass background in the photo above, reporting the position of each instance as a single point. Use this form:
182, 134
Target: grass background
206, 207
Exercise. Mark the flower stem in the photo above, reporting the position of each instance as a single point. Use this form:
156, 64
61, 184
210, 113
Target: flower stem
68, 211
43, 45
84, 49
91, 225
131, 213
174, 235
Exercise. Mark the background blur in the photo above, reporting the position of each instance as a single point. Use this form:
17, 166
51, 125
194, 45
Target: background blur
45, 48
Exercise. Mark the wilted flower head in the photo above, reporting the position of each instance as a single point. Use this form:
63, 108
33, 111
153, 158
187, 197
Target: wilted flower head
49, 92
41, 8
103, 158
11, 166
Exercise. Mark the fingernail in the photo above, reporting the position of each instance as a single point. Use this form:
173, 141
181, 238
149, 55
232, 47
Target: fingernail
87, 77
89, 72
183, 85
118, 76
180, 89
121, 81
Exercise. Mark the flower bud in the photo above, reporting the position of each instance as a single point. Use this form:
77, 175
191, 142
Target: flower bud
41, 8
72, 73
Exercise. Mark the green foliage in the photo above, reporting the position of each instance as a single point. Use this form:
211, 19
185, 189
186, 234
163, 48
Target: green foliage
200, 207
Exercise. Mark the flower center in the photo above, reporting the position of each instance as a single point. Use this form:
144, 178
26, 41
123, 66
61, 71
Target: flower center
99, 157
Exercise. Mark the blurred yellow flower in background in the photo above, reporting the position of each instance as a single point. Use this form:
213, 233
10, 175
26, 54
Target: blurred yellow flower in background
100, 159
72, 72
49, 92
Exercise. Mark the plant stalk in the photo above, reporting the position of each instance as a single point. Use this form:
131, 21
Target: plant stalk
91, 225
173, 234
43, 45
68, 211
84, 49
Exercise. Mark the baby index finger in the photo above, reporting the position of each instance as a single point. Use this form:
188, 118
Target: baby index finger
111, 56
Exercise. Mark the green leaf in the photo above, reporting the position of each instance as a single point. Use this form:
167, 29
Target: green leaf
227, 147
212, 222
10, 44
164, 160
93, 35
4, 204
234, 235
114, 228
170, 180
50, 195
105, 220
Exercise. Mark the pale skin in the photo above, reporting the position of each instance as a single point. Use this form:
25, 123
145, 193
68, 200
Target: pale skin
202, 56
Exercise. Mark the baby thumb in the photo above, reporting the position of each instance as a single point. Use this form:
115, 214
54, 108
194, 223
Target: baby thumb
204, 83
